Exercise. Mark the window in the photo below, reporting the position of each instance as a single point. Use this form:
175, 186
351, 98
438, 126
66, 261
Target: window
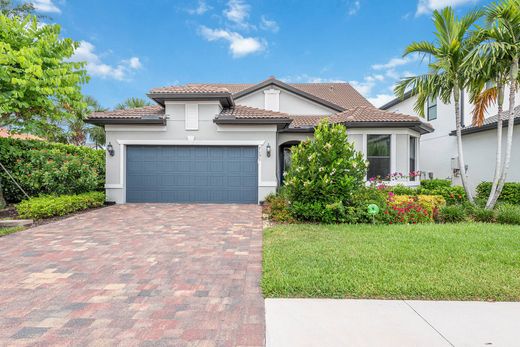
432, 108
378, 156
413, 157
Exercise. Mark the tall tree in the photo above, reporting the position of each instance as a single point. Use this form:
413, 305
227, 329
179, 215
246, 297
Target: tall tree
79, 131
133, 103
446, 77
38, 85
501, 43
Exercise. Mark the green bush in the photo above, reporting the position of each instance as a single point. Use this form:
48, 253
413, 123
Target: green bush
324, 176
510, 193
508, 214
452, 214
452, 195
50, 168
403, 190
435, 183
53, 206
277, 207
483, 215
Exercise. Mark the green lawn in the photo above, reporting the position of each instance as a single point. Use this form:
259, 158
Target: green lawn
451, 261
10, 230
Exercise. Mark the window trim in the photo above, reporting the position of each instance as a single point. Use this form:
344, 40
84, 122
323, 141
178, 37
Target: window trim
430, 105
390, 156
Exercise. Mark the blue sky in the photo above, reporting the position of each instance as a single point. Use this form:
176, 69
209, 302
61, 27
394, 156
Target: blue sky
132, 46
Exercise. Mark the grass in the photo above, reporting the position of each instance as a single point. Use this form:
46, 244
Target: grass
435, 261
10, 230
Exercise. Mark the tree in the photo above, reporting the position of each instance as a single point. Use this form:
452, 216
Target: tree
78, 130
447, 77
133, 103
37, 82
490, 64
10, 9
500, 45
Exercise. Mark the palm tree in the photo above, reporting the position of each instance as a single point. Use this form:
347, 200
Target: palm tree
502, 45
493, 59
447, 77
78, 130
133, 103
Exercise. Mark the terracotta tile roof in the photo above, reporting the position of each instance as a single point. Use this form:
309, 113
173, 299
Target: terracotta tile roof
5, 133
371, 114
306, 121
491, 122
246, 112
190, 89
130, 113
340, 94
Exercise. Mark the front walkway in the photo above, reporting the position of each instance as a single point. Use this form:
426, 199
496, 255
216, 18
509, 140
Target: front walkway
331, 323
152, 274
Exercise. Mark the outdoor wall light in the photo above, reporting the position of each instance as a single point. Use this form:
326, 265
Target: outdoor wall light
110, 149
268, 150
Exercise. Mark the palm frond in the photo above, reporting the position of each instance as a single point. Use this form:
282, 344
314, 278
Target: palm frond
482, 103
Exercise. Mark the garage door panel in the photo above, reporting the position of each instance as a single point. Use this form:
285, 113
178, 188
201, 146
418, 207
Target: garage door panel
192, 174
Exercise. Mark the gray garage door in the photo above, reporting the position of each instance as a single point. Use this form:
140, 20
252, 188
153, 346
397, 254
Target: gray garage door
214, 174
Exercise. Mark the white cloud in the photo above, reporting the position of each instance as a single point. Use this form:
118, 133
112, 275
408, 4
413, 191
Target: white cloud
381, 99
202, 8
45, 6
268, 24
354, 8
239, 46
95, 67
392, 63
237, 12
427, 6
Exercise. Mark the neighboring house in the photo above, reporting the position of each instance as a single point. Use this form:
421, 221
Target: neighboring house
5, 133
438, 153
231, 142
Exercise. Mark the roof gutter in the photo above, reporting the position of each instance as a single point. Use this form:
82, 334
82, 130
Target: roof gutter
104, 121
225, 99
490, 126
396, 101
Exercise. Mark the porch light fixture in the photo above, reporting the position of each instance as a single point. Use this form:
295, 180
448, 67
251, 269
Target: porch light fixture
110, 149
268, 150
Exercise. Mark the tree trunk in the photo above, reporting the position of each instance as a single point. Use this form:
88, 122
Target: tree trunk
3, 203
462, 165
498, 163
510, 127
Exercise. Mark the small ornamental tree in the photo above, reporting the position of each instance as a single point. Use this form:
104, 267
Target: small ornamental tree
325, 173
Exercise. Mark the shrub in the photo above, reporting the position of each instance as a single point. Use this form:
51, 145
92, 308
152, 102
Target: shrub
452, 195
52, 206
452, 214
508, 214
435, 183
324, 176
50, 168
483, 215
405, 209
510, 193
277, 207
402, 190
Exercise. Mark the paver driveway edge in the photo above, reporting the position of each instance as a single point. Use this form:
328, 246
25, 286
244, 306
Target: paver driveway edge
150, 274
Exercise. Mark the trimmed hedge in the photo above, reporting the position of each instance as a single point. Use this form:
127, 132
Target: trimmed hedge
53, 206
44, 168
435, 183
452, 194
510, 193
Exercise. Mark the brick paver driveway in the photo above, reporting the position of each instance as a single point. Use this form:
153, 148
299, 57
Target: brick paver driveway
151, 274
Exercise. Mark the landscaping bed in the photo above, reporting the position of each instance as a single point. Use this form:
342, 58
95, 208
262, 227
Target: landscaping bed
466, 261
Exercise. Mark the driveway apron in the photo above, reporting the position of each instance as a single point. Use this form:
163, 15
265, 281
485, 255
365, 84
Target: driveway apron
136, 275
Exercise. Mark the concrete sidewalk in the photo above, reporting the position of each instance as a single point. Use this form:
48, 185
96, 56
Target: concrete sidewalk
328, 322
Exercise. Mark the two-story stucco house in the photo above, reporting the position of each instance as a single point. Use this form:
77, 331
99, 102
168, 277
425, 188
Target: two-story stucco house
438, 150
231, 142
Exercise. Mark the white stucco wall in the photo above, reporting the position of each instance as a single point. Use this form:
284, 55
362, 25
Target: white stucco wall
439, 148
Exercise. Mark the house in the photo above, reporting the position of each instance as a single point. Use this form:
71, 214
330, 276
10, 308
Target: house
231, 142
438, 150
5, 133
